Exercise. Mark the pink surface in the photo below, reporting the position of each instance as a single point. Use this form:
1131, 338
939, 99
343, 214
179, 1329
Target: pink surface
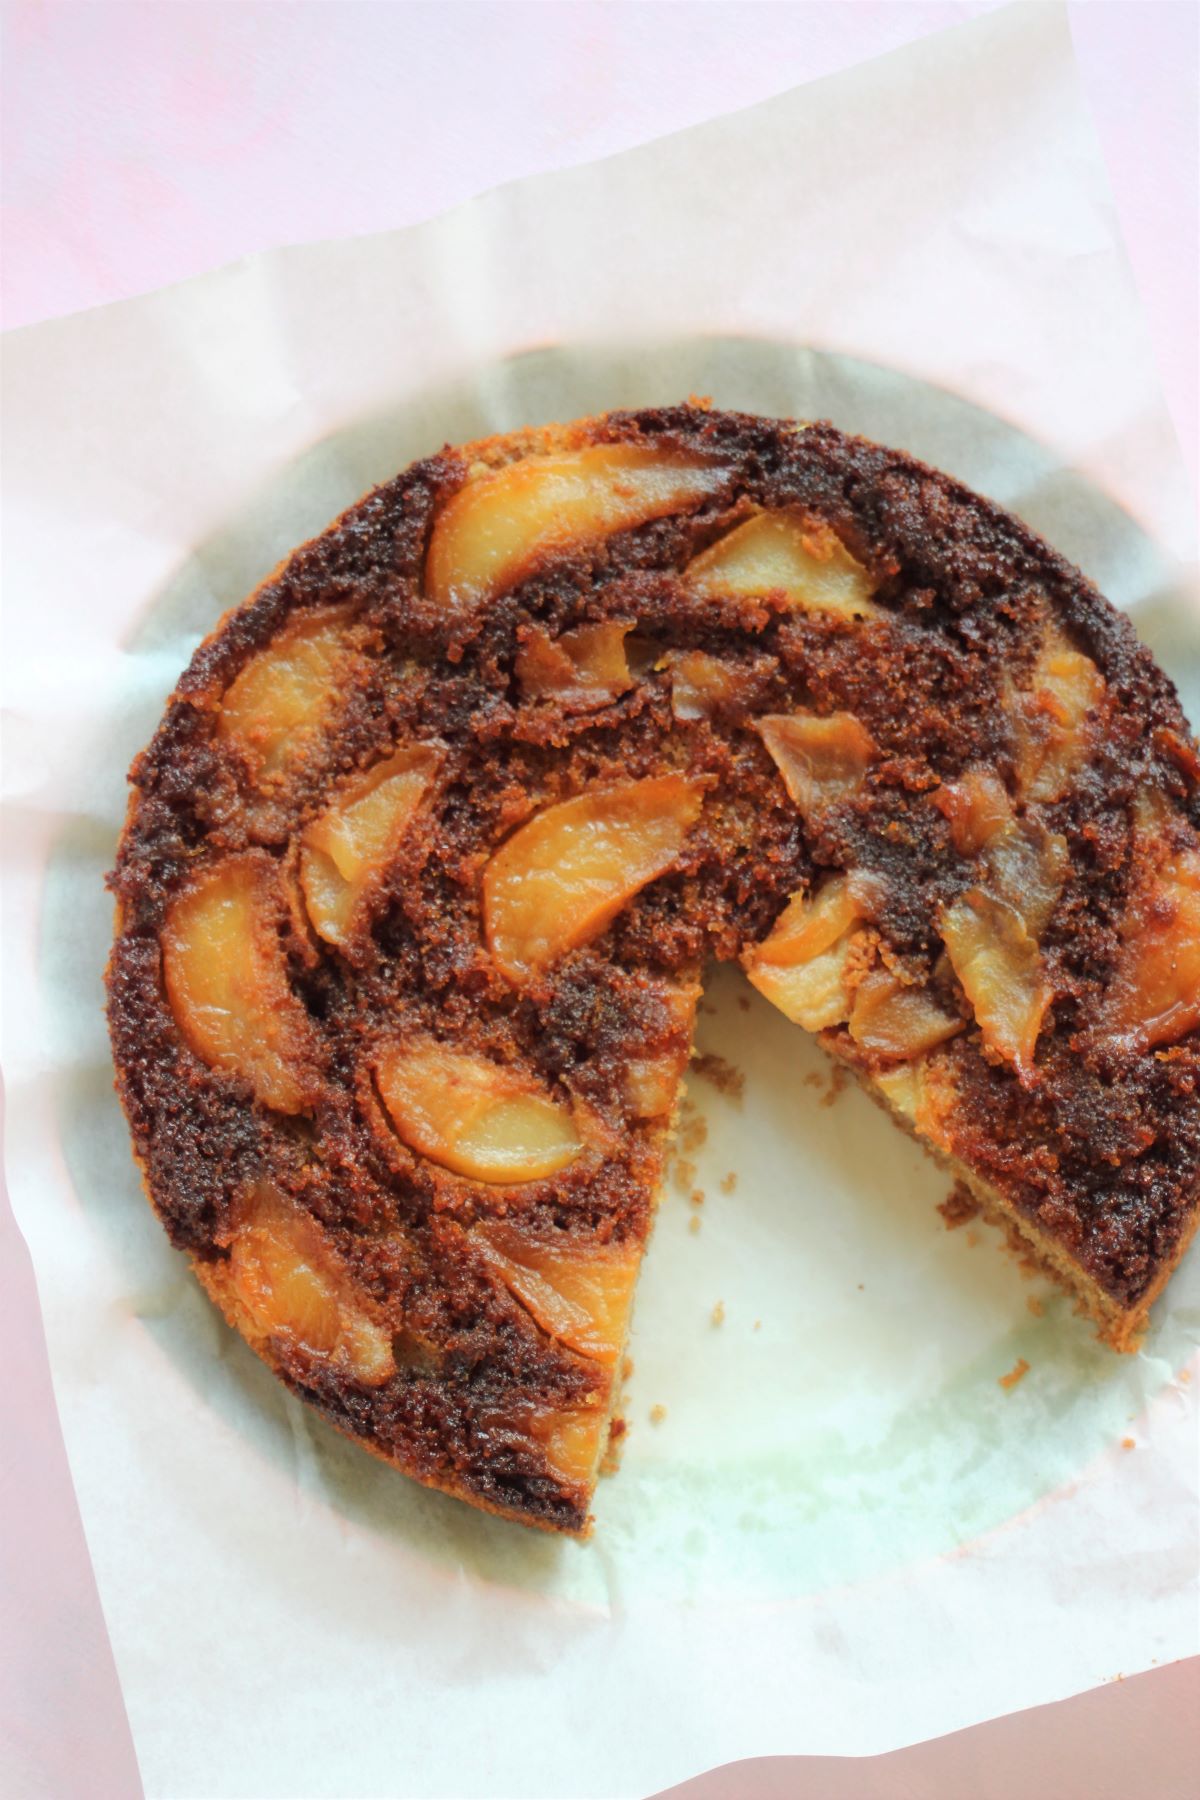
146, 142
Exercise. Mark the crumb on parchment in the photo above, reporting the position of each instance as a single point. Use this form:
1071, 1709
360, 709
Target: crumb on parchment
1128, 1444
718, 1313
729, 1182
1035, 1305
1017, 1373
720, 1074
658, 1413
694, 1222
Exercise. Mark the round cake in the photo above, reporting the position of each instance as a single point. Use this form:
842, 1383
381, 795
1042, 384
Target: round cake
440, 829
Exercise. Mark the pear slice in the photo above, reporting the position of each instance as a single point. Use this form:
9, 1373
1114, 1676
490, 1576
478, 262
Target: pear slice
977, 808
284, 1277
579, 1294
473, 1116
271, 709
574, 1442
493, 531
564, 876
822, 757
582, 669
226, 979
700, 684
784, 553
1155, 995
1055, 719
344, 851
810, 924
998, 964
895, 1020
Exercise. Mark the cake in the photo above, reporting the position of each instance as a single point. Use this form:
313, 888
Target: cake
426, 860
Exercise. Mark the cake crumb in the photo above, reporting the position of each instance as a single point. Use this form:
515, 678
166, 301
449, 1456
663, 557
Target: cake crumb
1017, 1373
729, 1182
694, 1222
970, 1237
743, 1003
697, 1196
693, 1128
758, 1324
959, 1206
610, 1462
718, 1313
1127, 1444
1034, 1303
658, 1413
684, 1173
720, 1074
837, 1082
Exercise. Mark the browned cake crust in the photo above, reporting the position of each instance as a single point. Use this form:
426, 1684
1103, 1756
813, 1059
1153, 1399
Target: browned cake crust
1087, 1138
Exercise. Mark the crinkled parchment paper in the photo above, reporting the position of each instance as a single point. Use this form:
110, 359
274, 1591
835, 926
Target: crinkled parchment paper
844, 1535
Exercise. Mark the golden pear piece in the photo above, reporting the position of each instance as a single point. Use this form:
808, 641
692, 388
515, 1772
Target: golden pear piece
473, 1116
226, 978
270, 710
350, 845
783, 553
564, 876
493, 531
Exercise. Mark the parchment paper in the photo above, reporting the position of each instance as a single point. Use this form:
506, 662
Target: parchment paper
844, 1535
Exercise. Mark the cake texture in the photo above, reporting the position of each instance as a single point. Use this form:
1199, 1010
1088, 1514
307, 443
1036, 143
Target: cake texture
440, 829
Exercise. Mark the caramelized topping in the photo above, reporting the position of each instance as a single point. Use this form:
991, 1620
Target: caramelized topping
578, 1293
783, 553
345, 850
809, 924
270, 710
474, 1116
226, 979
286, 1277
581, 669
564, 876
491, 534
998, 964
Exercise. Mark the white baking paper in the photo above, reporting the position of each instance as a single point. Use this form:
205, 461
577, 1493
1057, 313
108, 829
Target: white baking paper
844, 1535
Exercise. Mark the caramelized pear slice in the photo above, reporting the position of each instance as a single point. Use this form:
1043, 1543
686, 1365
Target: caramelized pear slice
226, 979
270, 710
998, 964
891, 1019
564, 876
815, 994
578, 1293
474, 1116
1155, 996
700, 684
287, 1281
821, 758
574, 1442
810, 924
351, 844
492, 532
784, 553
582, 669
1026, 866
1055, 720
977, 808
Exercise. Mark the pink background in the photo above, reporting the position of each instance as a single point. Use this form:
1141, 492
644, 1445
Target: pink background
147, 141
